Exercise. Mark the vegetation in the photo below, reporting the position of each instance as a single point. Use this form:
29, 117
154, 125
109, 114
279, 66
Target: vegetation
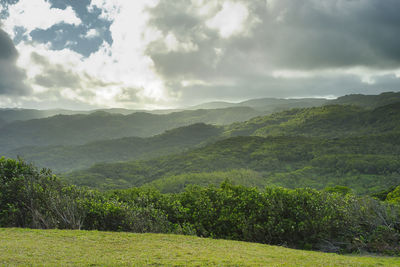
368, 101
80, 129
332, 220
325, 122
66, 158
68, 135
322, 178
71, 248
366, 164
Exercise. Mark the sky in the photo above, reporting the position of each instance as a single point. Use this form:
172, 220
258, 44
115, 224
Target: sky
150, 54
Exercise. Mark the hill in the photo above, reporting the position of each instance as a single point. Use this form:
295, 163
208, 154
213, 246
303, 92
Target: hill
11, 114
313, 147
88, 248
266, 105
81, 129
270, 105
324, 122
328, 121
368, 101
365, 164
67, 158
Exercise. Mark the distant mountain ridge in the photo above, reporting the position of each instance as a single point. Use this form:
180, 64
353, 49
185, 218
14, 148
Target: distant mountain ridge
67, 158
81, 128
261, 104
79, 141
279, 104
368, 101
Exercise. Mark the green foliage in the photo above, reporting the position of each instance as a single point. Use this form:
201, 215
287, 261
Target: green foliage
177, 183
36, 198
67, 158
368, 101
330, 220
394, 196
72, 147
328, 121
365, 164
342, 190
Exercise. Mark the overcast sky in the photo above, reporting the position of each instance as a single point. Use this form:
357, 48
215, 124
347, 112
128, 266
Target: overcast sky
83, 54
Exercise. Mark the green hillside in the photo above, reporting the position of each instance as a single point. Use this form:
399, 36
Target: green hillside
66, 158
328, 121
368, 101
323, 122
81, 129
22, 247
315, 147
366, 164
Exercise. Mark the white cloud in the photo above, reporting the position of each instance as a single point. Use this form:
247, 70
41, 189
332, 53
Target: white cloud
37, 14
173, 45
117, 68
230, 20
92, 33
186, 50
125, 61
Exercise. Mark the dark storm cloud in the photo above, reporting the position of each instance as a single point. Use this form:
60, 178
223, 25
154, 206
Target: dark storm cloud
308, 36
11, 77
300, 35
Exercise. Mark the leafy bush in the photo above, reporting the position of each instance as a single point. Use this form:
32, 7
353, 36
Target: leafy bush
331, 220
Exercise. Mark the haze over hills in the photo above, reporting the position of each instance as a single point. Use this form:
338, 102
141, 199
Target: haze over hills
279, 104
66, 143
261, 104
80, 129
266, 104
67, 158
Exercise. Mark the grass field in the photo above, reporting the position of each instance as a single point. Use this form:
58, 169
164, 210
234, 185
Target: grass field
26, 247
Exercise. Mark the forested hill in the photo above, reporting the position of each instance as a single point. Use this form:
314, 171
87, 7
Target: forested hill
81, 129
268, 105
67, 158
280, 104
365, 164
368, 101
316, 147
327, 121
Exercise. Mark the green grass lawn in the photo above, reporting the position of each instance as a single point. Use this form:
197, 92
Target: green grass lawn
26, 247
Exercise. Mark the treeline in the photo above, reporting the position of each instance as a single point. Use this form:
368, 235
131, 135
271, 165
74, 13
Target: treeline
330, 220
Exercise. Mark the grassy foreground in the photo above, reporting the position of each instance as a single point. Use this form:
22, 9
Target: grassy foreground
64, 247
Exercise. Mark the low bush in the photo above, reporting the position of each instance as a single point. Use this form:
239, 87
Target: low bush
331, 220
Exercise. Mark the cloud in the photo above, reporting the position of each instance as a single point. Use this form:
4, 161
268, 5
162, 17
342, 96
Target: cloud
37, 14
92, 33
11, 77
277, 48
54, 76
230, 20
168, 53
